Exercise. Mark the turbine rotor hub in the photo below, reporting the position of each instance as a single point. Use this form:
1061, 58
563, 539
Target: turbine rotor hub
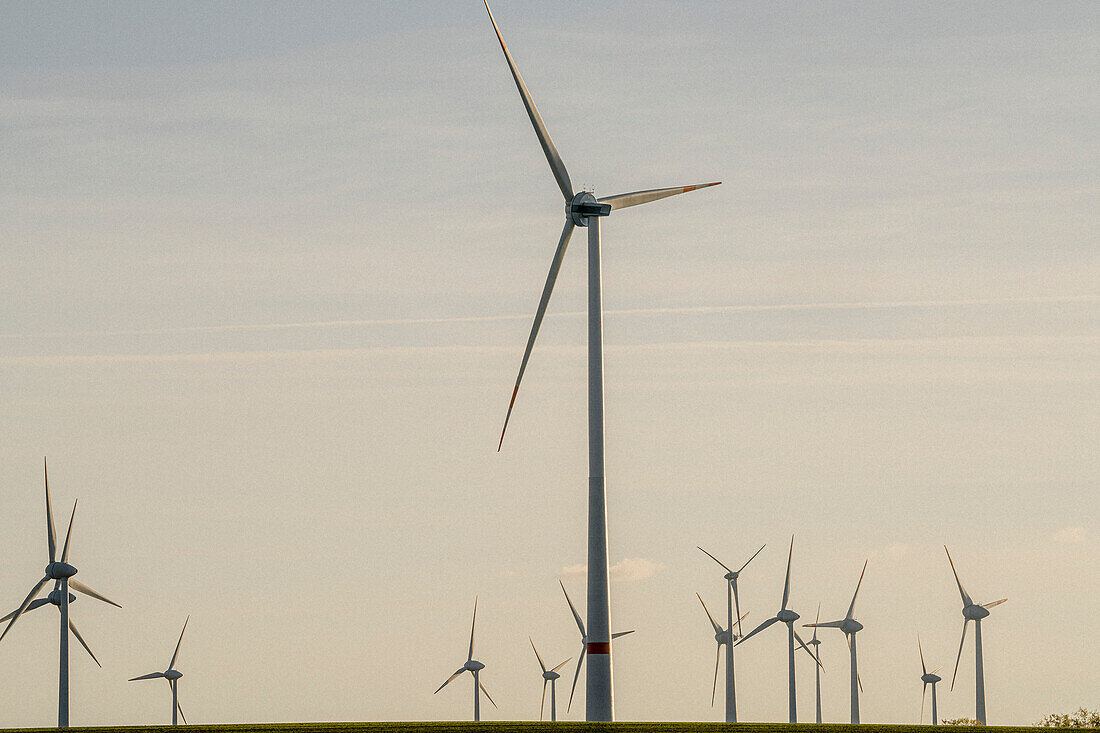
787, 616
55, 597
732, 575
584, 205
550, 675
473, 665
60, 571
173, 674
975, 613
851, 626
931, 678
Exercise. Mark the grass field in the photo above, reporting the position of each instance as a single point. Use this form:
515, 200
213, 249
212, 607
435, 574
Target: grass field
532, 727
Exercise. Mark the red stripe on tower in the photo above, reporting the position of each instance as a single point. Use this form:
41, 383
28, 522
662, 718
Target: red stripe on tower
599, 647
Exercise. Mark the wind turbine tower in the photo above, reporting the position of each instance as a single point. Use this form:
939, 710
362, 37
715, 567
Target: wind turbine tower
723, 637
788, 617
173, 676
850, 627
584, 641
473, 667
732, 602
972, 612
582, 209
61, 572
816, 644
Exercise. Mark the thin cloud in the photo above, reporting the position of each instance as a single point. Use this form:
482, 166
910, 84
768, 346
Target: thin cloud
627, 570
1070, 536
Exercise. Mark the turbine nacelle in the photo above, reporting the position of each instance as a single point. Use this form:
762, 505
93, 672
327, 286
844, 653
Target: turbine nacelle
584, 205
172, 675
55, 597
974, 612
787, 616
930, 679
851, 626
551, 675
732, 575
722, 637
60, 571
473, 666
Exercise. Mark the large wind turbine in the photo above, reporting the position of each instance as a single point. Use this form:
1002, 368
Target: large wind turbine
549, 677
972, 612
585, 210
723, 637
172, 675
732, 602
61, 572
788, 617
584, 641
928, 678
473, 667
850, 627
54, 598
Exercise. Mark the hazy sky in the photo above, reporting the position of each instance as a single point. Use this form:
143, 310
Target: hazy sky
266, 273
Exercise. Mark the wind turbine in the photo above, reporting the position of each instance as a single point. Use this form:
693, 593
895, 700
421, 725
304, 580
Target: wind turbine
722, 636
850, 627
584, 642
172, 675
928, 678
582, 209
549, 676
732, 601
473, 667
972, 612
816, 644
54, 598
788, 617
61, 572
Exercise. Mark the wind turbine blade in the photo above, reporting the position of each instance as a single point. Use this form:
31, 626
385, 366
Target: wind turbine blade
542, 705
486, 692
827, 625
923, 669
959, 656
172, 664
787, 582
817, 620
751, 558
552, 157
758, 629
547, 289
69, 534
555, 669
802, 644
737, 609
541, 665
576, 616
33, 605
994, 603
150, 676
617, 634
473, 624
23, 606
81, 588
852, 605
449, 679
712, 557
180, 709
923, 694
72, 627
580, 661
713, 623
714, 687
623, 200
51, 534
962, 591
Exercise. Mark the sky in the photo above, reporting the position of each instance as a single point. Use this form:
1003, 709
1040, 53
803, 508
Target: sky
267, 274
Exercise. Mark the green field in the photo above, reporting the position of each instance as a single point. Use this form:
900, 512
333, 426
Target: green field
532, 727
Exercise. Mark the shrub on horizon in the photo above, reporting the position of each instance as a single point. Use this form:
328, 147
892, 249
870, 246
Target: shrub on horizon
960, 721
1081, 719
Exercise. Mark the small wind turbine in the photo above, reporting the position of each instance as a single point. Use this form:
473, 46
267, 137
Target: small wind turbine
732, 602
928, 678
172, 675
582, 209
788, 617
549, 676
473, 667
972, 612
816, 644
584, 642
61, 572
722, 636
850, 627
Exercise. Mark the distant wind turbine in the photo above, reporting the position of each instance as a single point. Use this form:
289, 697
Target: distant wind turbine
172, 675
473, 667
584, 210
549, 677
928, 678
850, 627
732, 602
816, 644
584, 642
788, 617
972, 612
723, 637
61, 572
